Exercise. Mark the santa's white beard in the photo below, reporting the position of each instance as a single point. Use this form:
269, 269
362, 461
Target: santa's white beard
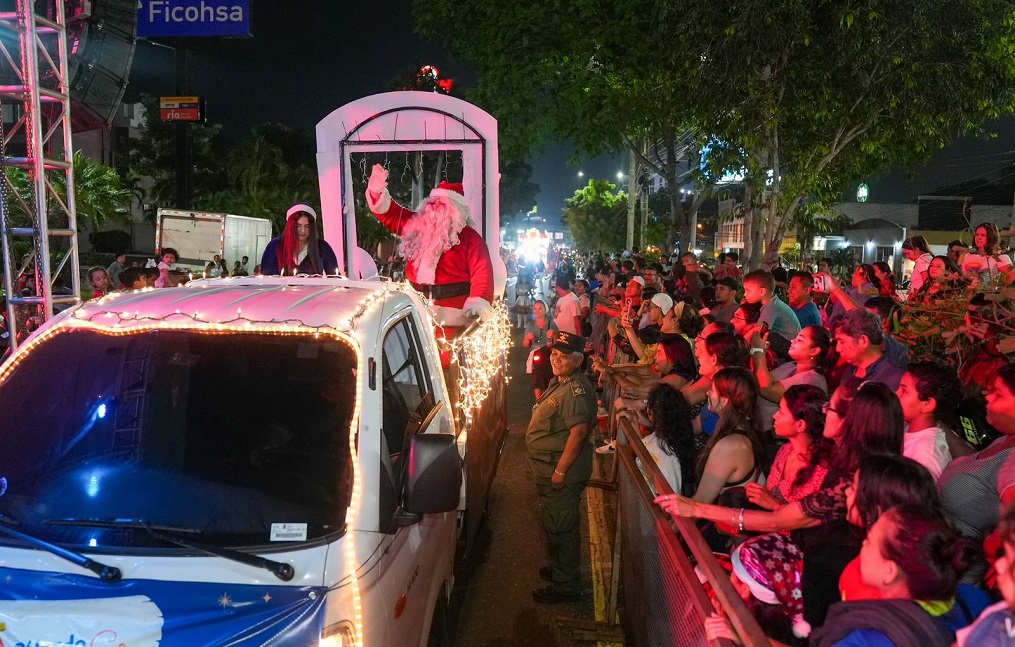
431, 232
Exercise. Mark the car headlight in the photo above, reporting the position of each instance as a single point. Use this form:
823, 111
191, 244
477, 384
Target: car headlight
339, 634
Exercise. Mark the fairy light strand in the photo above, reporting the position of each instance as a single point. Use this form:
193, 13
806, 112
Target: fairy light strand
480, 356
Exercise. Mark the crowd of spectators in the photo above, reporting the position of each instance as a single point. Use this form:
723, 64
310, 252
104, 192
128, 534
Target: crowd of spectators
855, 490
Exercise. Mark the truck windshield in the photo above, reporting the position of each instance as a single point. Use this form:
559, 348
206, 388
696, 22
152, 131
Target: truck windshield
242, 437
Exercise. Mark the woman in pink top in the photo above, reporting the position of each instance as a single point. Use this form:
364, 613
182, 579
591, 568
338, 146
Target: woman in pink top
801, 465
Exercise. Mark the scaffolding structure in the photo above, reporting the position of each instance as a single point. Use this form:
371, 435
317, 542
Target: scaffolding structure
35, 98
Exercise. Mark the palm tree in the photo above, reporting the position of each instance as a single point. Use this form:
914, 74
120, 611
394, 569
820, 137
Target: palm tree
99, 196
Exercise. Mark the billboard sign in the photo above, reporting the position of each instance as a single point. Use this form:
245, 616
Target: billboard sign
169, 18
180, 108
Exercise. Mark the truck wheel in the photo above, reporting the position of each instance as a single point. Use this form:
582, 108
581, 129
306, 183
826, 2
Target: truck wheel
440, 630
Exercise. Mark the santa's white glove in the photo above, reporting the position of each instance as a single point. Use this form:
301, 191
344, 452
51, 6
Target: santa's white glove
452, 317
478, 307
378, 179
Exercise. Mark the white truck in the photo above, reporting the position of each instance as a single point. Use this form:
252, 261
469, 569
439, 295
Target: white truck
200, 236
254, 461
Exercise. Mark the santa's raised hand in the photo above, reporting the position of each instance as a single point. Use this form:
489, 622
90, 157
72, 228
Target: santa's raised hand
378, 198
378, 179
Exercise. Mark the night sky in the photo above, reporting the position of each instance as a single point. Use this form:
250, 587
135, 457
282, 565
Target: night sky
306, 59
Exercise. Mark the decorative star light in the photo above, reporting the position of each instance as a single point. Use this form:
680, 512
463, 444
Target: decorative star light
225, 601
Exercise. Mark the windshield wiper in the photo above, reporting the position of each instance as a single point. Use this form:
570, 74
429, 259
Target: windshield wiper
108, 574
281, 570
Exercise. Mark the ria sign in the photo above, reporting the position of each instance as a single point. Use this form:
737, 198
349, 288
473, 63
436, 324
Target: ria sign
168, 18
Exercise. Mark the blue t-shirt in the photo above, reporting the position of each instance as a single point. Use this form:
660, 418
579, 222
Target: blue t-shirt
807, 315
780, 319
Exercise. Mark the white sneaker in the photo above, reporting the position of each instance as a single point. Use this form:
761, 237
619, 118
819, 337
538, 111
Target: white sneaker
608, 448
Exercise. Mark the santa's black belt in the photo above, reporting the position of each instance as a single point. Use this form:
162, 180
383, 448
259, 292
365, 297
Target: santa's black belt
445, 291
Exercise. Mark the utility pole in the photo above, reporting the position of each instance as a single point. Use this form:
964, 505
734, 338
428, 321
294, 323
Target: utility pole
184, 155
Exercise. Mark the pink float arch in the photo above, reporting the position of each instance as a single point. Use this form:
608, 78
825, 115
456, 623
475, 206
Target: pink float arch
407, 121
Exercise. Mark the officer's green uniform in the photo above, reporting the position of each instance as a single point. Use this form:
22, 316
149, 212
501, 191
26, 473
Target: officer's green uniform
567, 401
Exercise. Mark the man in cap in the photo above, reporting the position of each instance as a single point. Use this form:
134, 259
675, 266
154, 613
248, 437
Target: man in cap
446, 258
560, 458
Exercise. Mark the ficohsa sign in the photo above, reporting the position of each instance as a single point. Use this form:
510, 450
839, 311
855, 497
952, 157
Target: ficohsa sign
168, 18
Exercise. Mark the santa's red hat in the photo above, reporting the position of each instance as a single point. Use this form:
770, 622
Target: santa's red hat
453, 191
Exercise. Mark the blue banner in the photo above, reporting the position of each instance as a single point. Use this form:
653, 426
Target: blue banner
168, 18
60, 610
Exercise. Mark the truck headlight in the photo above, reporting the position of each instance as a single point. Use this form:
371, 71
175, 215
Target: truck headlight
339, 634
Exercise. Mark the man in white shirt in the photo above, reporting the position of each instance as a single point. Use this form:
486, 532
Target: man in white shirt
928, 392
567, 312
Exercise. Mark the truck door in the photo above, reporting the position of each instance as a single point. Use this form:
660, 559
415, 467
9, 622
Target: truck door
421, 555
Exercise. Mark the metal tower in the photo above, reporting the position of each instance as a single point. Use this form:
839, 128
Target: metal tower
36, 91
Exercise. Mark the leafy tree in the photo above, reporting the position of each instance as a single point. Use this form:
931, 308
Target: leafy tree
596, 75
99, 196
595, 215
99, 199
810, 222
817, 94
266, 173
798, 96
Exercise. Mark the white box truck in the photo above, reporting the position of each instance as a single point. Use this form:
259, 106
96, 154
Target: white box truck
199, 236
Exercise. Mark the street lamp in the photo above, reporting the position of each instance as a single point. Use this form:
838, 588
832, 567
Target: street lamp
581, 173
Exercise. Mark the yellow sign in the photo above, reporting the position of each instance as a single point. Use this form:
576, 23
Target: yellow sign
179, 102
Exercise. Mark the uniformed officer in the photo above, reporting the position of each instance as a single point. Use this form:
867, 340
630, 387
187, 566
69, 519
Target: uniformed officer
560, 457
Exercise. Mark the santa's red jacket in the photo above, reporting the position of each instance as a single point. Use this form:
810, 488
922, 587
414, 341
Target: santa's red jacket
467, 262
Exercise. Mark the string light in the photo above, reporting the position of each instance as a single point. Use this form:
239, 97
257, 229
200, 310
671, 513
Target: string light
480, 356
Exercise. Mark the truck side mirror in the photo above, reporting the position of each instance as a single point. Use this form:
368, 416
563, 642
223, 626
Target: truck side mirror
434, 474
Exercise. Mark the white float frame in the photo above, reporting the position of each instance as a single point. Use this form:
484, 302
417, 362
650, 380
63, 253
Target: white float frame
407, 121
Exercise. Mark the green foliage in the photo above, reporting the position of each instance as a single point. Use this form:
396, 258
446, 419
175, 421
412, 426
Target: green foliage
266, 173
99, 196
936, 330
813, 220
941, 328
596, 216
819, 93
843, 262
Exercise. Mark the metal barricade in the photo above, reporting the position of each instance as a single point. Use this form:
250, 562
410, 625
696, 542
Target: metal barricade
664, 602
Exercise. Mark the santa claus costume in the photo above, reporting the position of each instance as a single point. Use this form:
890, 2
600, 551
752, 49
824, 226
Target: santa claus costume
446, 258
